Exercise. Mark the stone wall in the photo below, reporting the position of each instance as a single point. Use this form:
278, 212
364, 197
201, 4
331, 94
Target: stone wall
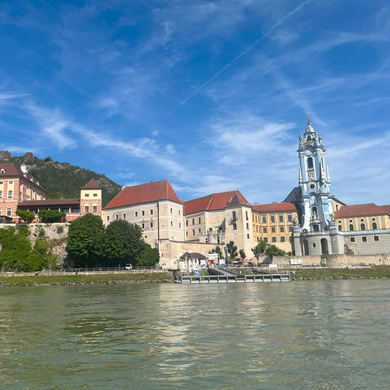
335, 261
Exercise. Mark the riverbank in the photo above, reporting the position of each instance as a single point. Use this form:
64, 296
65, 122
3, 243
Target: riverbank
380, 272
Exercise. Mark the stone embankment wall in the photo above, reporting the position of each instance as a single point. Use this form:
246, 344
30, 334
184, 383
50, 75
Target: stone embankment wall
335, 261
55, 233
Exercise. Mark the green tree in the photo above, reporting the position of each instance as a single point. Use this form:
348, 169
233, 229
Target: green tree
122, 244
51, 215
232, 250
25, 215
150, 256
84, 240
259, 249
273, 250
242, 254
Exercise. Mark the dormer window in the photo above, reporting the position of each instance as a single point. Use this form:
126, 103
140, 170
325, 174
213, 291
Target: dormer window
2, 171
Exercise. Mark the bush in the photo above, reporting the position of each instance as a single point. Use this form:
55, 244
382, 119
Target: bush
273, 250
51, 215
60, 229
25, 215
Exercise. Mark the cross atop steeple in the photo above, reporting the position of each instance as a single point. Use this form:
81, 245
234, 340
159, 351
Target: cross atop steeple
308, 119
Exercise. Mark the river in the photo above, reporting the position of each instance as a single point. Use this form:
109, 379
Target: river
298, 335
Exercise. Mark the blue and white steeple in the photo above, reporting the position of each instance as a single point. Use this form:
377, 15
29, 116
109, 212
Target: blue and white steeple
314, 181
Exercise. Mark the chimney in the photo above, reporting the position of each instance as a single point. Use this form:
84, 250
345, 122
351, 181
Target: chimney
123, 187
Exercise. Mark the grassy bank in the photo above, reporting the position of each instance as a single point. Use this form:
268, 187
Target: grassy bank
341, 273
64, 280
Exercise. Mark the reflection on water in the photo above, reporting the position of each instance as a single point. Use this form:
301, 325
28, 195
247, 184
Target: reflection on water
301, 335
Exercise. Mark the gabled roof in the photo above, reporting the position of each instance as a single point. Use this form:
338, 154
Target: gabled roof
144, 193
359, 210
12, 170
386, 208
92, 185
217, 201
274, 207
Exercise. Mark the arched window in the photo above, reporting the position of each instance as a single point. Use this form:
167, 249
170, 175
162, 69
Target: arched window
340, 228
374, 226
351, 227
309, 138
362, 226
310, 163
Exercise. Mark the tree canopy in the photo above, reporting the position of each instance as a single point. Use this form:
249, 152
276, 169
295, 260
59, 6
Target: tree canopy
51, 215
273, 250
84, 240
232, 250
259, 249
26, 216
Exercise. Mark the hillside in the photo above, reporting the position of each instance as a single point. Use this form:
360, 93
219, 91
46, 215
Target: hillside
61, 180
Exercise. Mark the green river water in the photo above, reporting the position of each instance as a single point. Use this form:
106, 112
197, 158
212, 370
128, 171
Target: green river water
299, 335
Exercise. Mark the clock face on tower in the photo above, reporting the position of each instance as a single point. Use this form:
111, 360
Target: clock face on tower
312, 185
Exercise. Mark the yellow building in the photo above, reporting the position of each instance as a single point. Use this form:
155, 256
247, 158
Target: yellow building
360, 217
274, 223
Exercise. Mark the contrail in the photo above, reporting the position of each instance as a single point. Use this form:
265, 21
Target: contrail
248, 49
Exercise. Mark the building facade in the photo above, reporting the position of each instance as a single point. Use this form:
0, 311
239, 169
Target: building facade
16, 186
153, 206
274, 224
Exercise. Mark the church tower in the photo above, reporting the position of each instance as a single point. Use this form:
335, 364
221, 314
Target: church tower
314, 181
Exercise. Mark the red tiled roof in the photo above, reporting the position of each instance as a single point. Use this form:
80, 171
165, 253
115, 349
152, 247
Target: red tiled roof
144, 193
386, 208
49, 202
274, 207
12, 170
359, 210
212, 202
92, 185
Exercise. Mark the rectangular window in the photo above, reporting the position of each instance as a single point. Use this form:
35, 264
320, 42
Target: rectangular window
272, 218
135, 213
200, 220
247, 225
289, 218
282, 229
171, 223
86, 208
186, 233
10, 182
234, 216
281, 219
352, 239
193, 232
179, 225
143, 225
87, 195
108, 218
290, 229
376, 238
179, 212
66, 211
246, 215
200, 230
364, 239
282, 239
143, 213
273, 239
187, 222
264, 219
273, 230
171, 211
8, 212
247, 236
265, 230
94, 209
124, 215
234, 226
193, 221
265, 239
95, 195
10, 194
151, 224
151, 212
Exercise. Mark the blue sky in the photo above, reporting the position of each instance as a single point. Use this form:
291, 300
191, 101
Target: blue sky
211, 95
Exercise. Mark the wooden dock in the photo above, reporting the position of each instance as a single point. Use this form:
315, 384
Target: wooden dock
255, 278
